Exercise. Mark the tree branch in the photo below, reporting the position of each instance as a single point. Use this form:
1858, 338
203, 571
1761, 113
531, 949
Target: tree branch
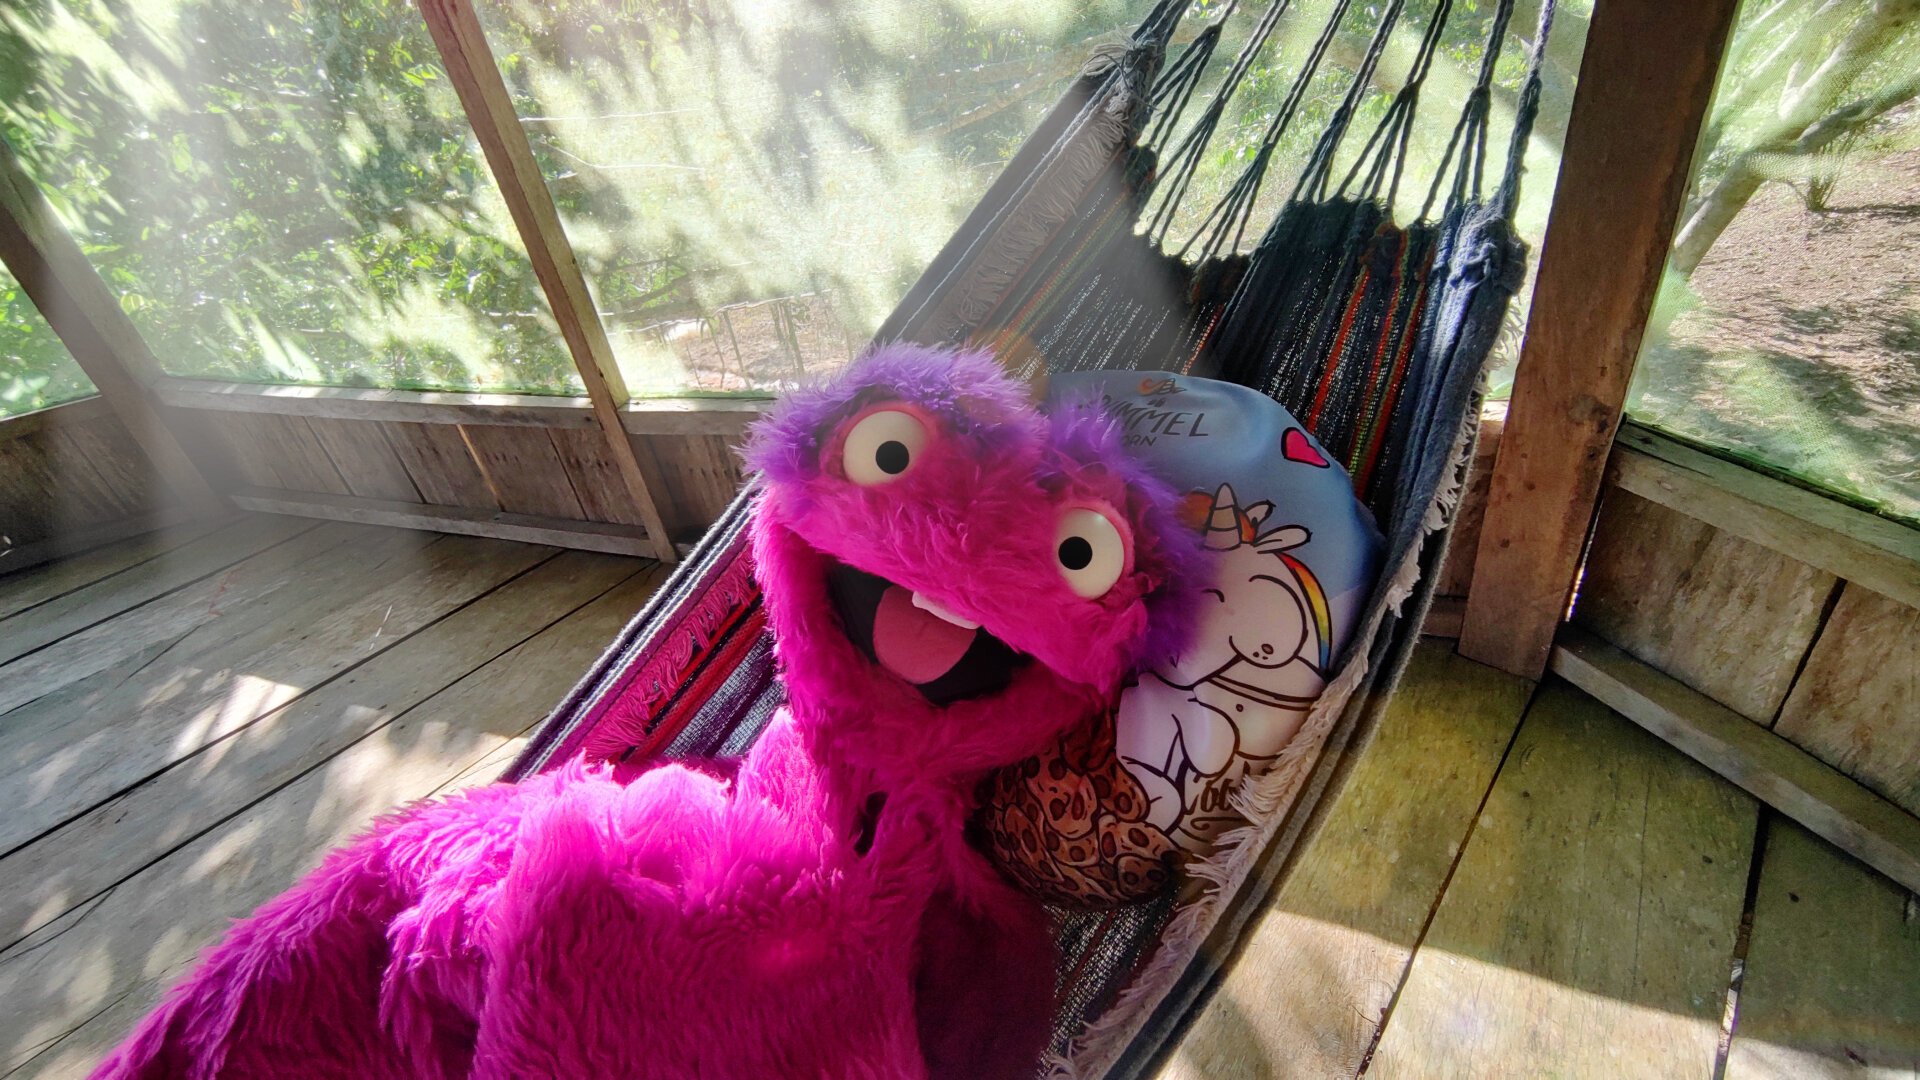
1810, 121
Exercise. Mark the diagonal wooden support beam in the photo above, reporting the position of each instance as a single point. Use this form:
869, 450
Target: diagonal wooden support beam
83, 311
1646, 79
483, 94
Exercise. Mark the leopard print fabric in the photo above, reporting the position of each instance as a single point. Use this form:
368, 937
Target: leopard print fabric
1069, 825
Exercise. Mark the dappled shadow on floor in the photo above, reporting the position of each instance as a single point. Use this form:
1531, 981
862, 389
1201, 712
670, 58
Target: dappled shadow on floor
278, 708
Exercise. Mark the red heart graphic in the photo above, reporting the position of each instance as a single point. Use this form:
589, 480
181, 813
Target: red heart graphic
1297, 447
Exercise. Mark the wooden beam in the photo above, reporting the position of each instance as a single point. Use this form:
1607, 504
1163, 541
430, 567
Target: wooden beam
1646, 78
85, 314
1863, 548
1769, 767
483, 94
728, 416
460, 520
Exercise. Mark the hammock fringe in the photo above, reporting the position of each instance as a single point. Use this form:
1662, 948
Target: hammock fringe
1374, 334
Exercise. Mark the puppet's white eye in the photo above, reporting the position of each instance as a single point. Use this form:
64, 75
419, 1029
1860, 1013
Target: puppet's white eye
1091, 552
881, 447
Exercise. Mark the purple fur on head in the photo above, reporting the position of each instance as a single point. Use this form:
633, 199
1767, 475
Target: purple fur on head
970, 389
815, 912
972, 524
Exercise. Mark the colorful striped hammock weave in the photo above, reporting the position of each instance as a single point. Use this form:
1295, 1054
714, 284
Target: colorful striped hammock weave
1373, 333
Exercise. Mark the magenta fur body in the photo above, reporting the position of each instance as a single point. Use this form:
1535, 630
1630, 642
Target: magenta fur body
813, 913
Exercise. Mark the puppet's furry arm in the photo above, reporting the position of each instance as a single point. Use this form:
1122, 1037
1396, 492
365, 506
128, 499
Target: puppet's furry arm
984, 980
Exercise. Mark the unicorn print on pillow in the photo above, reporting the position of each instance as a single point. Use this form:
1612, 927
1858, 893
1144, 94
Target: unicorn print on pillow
1191, 729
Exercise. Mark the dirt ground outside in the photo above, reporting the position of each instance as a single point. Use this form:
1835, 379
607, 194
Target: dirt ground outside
1797, 340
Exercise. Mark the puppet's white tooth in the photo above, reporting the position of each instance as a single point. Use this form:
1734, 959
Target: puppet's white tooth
932, 608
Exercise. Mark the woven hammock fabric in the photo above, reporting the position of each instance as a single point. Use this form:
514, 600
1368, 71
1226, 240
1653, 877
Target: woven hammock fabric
1373, 334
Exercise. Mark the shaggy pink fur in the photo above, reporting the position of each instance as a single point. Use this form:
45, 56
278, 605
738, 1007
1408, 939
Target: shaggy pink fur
816, 914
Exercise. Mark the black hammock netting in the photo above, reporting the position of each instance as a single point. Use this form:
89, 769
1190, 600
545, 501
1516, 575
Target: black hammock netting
1374, 334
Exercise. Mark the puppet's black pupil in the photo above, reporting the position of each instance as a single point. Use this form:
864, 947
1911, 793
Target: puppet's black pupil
1075, 553
892, 457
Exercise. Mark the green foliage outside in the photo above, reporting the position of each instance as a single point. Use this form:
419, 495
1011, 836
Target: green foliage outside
276, 192
35, 370
289, 192
1787, 331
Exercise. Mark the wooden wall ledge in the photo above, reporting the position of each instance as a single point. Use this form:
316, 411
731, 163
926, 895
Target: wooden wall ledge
1822, 532
1768, 766
644, 416
67, 414
461, 520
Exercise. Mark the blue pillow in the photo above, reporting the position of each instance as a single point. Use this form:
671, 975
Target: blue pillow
1295, 555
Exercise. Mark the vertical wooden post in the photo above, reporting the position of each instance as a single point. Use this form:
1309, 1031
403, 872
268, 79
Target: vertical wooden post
483, 94
83, 311
1646, 80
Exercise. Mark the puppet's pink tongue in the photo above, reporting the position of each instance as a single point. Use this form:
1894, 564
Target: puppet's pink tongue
916, 645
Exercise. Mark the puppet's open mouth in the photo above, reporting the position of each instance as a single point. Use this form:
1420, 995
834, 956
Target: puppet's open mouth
944, 657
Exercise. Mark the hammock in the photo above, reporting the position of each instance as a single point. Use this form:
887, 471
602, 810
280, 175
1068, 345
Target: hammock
1375, 335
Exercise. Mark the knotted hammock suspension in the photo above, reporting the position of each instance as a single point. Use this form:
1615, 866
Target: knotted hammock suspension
1375, 335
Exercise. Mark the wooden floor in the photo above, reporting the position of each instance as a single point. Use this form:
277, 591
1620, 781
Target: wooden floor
1517, 881
188, 719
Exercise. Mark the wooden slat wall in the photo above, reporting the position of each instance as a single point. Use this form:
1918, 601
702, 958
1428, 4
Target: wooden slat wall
1726, 616
524, 471
1856, 706
702, 472
595, 477
67, 470
68, 475
559, 473
1828, 664
442, 468
364, 458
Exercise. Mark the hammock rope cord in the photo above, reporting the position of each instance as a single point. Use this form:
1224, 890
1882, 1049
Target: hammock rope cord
1373, 333
1185, 159
1237, 205
1313, 179
1387, 147
1329, 314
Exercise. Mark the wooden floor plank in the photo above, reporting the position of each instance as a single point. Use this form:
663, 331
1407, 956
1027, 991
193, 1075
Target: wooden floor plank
55, 686
69, 544
43, 880
59, 757
119, 644
1590, 925
51, 581
1832, 987
489, 768
77, 986
1318, 967
169, 567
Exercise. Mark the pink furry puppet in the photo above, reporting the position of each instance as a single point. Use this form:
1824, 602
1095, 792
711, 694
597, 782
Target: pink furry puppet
952, 578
